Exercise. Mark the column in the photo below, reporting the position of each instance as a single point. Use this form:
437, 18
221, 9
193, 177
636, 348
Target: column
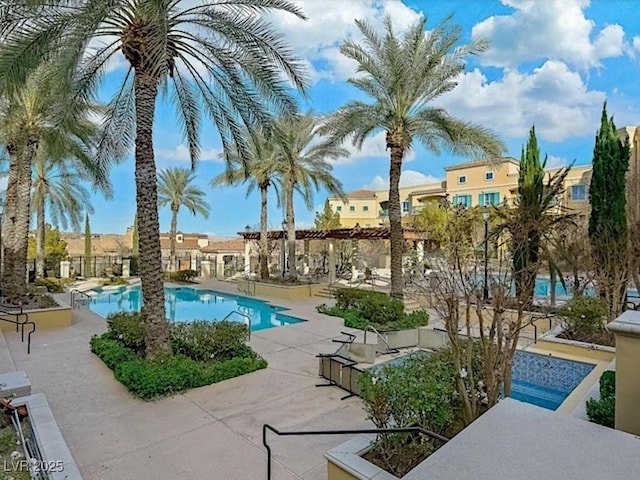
205, 269
420, 250
305, 266
355, 260
126, 268
332, 262
627, 330
64, 268
247, 257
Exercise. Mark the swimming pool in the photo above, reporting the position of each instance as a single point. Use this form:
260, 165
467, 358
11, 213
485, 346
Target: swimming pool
537, 379
543, 289
185, 304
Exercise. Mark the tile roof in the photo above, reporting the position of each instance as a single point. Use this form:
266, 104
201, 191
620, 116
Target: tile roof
481, 161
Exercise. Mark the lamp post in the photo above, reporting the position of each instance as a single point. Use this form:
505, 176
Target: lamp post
485, 287
283, 253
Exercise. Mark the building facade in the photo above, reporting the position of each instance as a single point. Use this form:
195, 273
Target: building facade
471, 184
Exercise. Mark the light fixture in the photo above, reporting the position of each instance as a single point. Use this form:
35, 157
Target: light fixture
284, 224
485, 213
247, 229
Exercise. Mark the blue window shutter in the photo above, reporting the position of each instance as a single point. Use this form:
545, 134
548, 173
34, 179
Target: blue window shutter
481, 199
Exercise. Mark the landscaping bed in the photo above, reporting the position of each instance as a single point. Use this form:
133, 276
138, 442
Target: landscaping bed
362, 308
204, 353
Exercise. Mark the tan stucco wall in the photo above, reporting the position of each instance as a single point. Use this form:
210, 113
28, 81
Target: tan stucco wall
505, 179
280, 291
50, 318
336, 473
628, 384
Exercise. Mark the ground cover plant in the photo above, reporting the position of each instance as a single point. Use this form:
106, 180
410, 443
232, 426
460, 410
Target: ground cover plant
362, 308
204, 353
584, 320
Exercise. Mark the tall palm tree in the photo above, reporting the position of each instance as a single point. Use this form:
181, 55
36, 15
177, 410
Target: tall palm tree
259, 172
39, 116
220, 54
56, 187
403, 76
303, 166
176, 189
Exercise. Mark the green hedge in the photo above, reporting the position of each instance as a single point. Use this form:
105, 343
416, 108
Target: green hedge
361, 308
603, 411
150, 379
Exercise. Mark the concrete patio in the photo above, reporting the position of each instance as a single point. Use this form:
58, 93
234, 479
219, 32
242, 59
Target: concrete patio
210, 432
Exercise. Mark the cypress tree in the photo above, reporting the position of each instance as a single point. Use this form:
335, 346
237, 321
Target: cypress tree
608, 233
87, 247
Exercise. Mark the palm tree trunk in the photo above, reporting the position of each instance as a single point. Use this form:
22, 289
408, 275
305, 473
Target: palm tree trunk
292, 273
172, 240
16, 221
264, 240
40, 241
8, 222
395, 217
153, 311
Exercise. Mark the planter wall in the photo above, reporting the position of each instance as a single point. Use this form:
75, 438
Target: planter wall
290, 292
45, 318
550, 341
345, 462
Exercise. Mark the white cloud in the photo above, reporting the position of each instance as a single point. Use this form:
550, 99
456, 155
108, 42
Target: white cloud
556, 162
181, 154
636, 42
408, 178
552, 97
373, 147
318, 38
554, 29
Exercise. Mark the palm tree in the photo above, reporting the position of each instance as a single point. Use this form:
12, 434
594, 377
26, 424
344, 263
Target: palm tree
259, 171
40, 116
56, 187
404, 76
176, 189
221, 54
303, 166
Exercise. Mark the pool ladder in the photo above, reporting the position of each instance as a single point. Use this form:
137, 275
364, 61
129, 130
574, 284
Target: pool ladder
246, 317
78, 298
370, 328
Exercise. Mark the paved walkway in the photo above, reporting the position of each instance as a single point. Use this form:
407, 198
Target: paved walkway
210, 432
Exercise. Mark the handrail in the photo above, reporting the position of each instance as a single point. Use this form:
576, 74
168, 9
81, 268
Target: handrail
247, 317
379, 335
75, 302
18, 313
363, 431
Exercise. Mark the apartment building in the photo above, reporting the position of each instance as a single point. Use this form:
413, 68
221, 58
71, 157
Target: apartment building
471, 184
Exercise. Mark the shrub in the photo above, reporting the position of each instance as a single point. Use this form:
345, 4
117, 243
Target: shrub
204, 341
53, 285
113, 281
149, 379
419, 392
358, 311
185, 276
584, 319
603, 411
128, 329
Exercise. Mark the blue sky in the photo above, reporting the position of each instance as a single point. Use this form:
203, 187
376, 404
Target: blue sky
551, 63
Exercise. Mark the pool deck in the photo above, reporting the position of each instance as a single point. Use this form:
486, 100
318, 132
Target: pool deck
209, 432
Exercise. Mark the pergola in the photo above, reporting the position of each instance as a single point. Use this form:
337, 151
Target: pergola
354, 233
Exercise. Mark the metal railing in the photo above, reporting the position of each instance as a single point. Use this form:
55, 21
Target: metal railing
18, 314
75, 301
246, 317
371, 328
364, 431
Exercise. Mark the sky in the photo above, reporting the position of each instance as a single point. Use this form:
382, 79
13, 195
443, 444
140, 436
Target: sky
552, 63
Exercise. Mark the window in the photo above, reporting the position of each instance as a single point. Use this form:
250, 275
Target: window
488, 175
491, 198
365, 208
464, 200
352, 208
578, 193
338, 208
462, 179
405, 207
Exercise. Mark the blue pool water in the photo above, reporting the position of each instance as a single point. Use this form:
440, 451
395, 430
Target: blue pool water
187, 304
537, 379
543, 289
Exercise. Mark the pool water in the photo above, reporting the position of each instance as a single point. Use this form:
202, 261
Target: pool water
536, 379
187, 304
544, 380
